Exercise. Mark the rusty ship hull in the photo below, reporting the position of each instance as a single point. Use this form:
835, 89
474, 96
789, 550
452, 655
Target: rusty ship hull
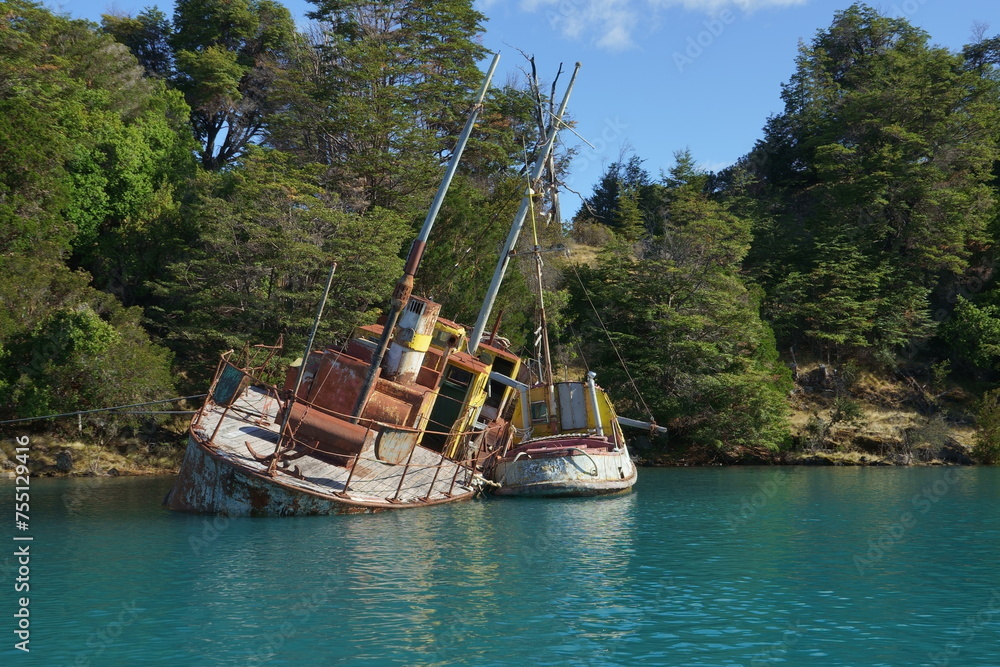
223, 471
256, 449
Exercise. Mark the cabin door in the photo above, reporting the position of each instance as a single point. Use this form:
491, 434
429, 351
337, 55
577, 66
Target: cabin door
572, 407
447, 407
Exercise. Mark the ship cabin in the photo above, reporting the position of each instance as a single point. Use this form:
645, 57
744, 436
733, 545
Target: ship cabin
568, 408
428, 386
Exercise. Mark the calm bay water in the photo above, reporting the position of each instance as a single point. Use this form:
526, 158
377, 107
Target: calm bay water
721, 566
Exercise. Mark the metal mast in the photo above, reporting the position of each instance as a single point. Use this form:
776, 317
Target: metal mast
401, 294
515, 230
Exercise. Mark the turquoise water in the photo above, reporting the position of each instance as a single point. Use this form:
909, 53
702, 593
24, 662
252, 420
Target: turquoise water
734, 566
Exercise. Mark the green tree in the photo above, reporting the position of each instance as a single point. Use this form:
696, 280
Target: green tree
70, 347
973, 333
229, 60
687, 328
380, 96
460, 259
624, 200
987, 439
268, 236
108, 146
846, 302
40, 99
880, 163
78, 360
147, 37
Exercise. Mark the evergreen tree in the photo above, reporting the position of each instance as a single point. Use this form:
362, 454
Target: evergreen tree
459, 263
686, 326
147, 37
268, 236
623, 200
108, 150
66, 346
229, 56
380, 96
884, 151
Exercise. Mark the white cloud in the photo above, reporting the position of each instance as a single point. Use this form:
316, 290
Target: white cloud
610, 23
713, 6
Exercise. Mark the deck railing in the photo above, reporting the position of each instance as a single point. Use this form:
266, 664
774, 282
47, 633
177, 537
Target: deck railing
231, 389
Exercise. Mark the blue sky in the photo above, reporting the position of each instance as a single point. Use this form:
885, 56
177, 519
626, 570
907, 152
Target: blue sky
661, 75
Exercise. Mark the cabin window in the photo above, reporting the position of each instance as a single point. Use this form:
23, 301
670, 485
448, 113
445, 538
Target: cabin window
497, 391
459, 376
445, 339
539, 411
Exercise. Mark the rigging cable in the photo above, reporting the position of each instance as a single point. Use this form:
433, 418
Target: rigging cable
613, 346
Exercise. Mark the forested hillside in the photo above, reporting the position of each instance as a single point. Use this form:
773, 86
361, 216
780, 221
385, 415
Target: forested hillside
173, 185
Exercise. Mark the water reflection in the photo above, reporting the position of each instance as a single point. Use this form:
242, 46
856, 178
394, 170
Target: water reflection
658, 576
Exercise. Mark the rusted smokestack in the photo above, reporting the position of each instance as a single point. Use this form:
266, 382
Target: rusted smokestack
411, 340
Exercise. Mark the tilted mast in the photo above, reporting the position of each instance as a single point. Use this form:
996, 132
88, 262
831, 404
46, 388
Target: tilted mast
515, 230
404, 286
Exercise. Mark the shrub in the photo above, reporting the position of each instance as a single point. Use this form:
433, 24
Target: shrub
987, 440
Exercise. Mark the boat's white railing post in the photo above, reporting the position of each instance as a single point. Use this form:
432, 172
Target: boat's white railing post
592, 391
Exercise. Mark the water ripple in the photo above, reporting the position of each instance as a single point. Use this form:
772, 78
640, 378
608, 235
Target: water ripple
696, 567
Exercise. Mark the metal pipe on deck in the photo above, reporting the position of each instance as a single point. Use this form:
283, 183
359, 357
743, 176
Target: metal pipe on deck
649, 426
592, 392
522, 390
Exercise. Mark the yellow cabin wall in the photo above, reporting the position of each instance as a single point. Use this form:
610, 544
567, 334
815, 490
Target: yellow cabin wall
474, 399
609, 419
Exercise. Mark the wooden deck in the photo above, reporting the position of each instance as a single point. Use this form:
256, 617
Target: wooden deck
428, 479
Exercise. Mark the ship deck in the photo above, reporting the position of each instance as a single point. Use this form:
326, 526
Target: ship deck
427, 479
